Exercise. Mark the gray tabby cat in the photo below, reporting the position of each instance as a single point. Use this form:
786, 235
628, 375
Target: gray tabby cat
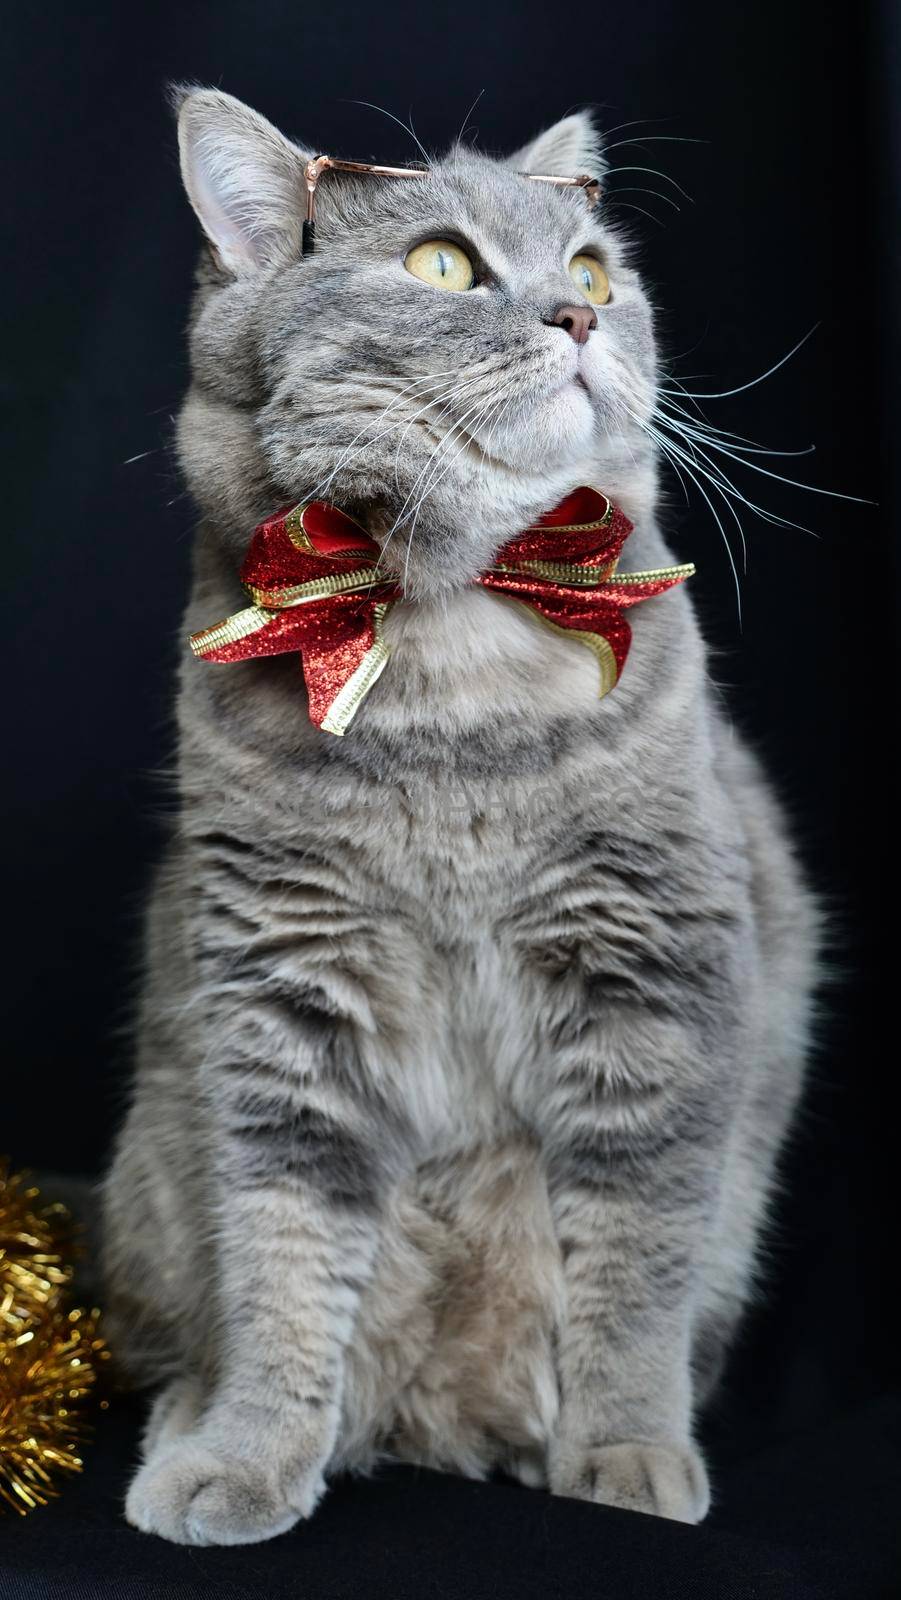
468, 1039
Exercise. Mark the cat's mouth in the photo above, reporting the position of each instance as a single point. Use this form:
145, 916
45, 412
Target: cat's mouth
572, 380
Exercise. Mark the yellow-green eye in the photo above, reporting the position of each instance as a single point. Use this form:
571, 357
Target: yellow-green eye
589, 276
442, 264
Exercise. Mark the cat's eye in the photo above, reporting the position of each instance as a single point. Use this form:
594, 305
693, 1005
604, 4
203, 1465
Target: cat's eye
589, 276
442, 264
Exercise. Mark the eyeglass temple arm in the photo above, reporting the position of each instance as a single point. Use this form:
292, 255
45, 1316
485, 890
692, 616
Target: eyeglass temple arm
590, 186
312, 172
314, 169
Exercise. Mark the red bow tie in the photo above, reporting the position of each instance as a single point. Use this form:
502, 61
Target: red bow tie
312, 574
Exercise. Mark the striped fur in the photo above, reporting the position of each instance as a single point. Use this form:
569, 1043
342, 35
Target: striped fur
468, 1042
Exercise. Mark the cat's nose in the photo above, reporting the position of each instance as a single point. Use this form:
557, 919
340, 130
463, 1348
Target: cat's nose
578, 321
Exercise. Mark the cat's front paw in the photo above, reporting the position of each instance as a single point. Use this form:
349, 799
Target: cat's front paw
666, 1480
193, 1494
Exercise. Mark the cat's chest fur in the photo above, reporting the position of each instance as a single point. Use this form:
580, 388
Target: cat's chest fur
480, 808
477, 658
475, 814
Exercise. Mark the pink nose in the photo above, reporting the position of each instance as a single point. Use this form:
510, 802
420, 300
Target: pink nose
578, 321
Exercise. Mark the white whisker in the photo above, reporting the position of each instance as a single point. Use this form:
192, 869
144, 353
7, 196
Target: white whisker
631, 206
655, 173
700, 425
400, 123
459, 138
489, 407
429, 477
441, 448
724, 485
766, 472
372, 437
634, 188
667, 446
740, 389
718, 481
651, 138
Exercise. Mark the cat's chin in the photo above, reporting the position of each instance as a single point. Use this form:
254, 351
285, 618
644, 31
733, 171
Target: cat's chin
545, 434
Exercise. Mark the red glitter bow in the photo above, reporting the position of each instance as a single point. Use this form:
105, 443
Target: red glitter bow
312, 574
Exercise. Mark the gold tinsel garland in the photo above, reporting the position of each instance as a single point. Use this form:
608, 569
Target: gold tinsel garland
50, 1353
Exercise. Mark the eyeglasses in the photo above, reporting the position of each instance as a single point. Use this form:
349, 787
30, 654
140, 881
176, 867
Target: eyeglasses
314, 170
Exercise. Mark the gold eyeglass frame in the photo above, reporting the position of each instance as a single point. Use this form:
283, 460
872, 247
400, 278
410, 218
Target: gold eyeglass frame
314, 170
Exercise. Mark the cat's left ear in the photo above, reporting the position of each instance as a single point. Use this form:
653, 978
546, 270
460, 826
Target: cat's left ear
567, 150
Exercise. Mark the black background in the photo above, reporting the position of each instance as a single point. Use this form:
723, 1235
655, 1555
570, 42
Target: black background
793, 224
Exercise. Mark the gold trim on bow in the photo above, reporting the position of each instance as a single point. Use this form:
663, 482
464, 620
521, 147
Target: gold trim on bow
297, 533
601, 648
603, 521
586, 577
297, 594
358, 685
654, 574
238, 626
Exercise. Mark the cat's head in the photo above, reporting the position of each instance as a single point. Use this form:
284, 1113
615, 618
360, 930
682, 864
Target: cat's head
420, 367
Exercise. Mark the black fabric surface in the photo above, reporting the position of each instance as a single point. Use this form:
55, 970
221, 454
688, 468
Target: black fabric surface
795, 224
813, 1516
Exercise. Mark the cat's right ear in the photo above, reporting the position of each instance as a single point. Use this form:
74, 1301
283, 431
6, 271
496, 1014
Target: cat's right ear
243, 178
